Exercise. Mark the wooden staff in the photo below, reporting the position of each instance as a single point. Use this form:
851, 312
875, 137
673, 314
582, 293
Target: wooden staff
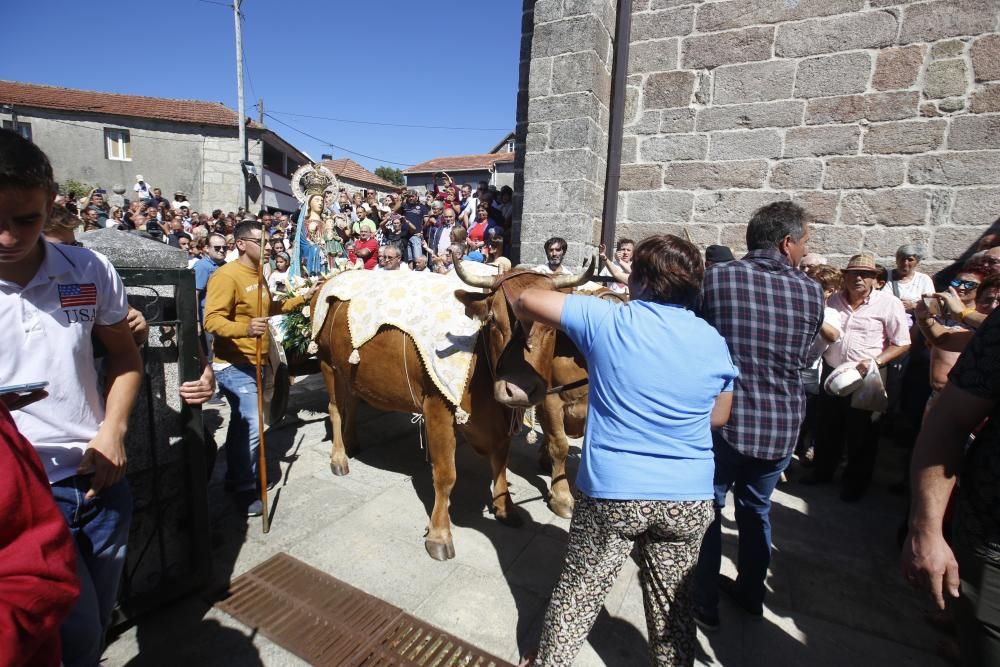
262, 461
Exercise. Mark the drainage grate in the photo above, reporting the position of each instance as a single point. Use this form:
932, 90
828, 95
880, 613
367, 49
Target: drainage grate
327, 622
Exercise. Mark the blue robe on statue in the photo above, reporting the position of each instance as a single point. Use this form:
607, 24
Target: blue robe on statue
304, 251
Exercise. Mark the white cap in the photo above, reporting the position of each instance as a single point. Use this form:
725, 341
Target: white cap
844, 380
138, 177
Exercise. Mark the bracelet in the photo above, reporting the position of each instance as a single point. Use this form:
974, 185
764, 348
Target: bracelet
962, 315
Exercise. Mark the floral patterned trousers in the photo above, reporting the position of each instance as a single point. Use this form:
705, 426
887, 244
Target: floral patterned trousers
603, 533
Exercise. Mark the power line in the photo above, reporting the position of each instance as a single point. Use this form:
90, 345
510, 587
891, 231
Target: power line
339, 148
371, 122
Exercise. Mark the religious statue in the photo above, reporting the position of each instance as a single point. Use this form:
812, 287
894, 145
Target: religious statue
309, 184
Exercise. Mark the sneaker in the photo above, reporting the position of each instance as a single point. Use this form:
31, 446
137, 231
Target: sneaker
706, 620
231, 487
256, 508
732, 590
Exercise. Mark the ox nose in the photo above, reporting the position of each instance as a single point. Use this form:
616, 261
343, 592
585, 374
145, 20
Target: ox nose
518, 394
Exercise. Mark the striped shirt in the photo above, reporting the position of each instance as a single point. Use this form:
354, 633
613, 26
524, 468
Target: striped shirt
769, 313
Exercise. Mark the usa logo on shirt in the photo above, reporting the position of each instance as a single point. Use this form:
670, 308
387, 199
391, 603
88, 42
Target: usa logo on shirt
76, 295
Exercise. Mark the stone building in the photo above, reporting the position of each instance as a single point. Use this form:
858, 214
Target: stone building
879, 116
355, 178
106, 139
496, 168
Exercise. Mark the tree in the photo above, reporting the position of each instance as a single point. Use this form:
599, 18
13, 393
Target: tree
390, 174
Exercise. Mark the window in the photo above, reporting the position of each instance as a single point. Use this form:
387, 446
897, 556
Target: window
510, 146
274, 160
24, 129
290, 165
118, 145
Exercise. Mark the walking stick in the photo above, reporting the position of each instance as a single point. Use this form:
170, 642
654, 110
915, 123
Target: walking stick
262, 460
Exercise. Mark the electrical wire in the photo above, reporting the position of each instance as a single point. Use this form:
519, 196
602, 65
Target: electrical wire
331, 145
371, 122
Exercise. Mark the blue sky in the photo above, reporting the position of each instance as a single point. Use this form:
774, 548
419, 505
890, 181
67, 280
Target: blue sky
447, 63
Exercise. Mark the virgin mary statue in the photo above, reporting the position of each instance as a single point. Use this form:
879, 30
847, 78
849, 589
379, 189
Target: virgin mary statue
309, 183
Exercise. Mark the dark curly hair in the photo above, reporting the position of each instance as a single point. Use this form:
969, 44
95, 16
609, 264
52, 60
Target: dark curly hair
667, 269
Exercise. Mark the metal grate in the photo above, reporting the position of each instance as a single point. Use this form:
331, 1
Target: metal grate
327, 622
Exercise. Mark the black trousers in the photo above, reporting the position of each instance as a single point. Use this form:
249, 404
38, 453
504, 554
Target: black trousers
977, 610
840, 424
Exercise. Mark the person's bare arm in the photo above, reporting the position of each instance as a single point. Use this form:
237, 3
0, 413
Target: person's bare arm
927, 560
540, 305
722, 409
889, 354
830, 333
105, 454
950, 301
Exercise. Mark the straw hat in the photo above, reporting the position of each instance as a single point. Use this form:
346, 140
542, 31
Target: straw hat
844, 380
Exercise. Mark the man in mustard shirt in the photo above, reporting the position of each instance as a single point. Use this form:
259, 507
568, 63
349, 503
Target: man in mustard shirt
231, 316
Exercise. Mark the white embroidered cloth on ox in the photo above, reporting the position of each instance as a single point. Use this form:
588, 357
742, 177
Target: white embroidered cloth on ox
423, 305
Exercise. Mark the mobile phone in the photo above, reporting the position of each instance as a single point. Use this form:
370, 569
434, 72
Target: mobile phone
23, 388
933, 305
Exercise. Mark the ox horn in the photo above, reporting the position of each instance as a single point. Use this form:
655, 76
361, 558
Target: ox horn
575, 280
485, 282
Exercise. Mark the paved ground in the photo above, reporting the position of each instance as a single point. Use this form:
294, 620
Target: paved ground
837, 598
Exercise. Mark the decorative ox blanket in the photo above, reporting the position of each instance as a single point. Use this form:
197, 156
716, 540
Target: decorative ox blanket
423, 305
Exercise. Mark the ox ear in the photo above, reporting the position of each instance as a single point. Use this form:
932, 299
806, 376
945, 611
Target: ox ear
477, 305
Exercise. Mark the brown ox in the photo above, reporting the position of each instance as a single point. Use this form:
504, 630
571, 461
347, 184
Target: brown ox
563, 413
510, 370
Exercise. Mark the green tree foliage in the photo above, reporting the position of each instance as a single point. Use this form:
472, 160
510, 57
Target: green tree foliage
74, 189
390, 174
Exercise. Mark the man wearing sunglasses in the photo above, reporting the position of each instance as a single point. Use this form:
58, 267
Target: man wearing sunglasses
215, 256
232, 316
875, 333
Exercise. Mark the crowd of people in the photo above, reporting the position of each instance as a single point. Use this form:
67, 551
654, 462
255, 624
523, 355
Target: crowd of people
352, 228
775, 355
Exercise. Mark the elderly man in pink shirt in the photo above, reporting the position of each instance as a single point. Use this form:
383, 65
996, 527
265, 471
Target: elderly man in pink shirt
875, 331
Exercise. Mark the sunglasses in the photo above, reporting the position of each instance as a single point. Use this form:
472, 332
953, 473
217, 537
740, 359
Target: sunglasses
964, 284
217, 247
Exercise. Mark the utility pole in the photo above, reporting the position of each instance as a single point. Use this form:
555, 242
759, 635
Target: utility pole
260, 112
239, 103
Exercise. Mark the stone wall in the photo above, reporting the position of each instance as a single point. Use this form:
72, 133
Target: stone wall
879, 116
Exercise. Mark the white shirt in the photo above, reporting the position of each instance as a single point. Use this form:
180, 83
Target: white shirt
176, 205
47, 329
143, 191
544, 268
272, 284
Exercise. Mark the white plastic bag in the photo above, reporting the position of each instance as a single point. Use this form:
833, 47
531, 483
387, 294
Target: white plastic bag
871, 394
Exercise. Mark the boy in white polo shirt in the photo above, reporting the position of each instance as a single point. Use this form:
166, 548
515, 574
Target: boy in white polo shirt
52, 299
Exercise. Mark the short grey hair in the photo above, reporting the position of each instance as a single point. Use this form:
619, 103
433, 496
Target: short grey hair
910, 250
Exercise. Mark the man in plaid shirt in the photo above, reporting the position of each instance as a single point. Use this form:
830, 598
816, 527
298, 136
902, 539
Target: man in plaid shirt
769, 313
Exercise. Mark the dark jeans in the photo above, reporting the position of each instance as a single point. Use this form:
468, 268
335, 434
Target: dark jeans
100, 529
752, 481
977, 610
840, 422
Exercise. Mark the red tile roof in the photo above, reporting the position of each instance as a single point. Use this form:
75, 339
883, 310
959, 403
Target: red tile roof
460, 163
137, 106
348, 168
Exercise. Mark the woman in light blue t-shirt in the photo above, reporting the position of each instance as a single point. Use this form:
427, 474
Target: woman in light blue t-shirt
660, 380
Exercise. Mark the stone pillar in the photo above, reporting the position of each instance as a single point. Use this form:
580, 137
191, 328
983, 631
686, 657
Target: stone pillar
881, 117
562, 128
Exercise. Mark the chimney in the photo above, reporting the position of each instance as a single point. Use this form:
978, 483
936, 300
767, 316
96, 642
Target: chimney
325, 156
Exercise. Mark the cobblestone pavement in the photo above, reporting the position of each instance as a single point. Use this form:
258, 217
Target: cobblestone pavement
837, 598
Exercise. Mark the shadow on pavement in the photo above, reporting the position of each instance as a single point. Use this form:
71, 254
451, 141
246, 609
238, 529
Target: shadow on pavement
192, 635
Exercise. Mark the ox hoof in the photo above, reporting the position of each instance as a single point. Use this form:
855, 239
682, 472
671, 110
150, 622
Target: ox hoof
440, 551
339, 469
563, 509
